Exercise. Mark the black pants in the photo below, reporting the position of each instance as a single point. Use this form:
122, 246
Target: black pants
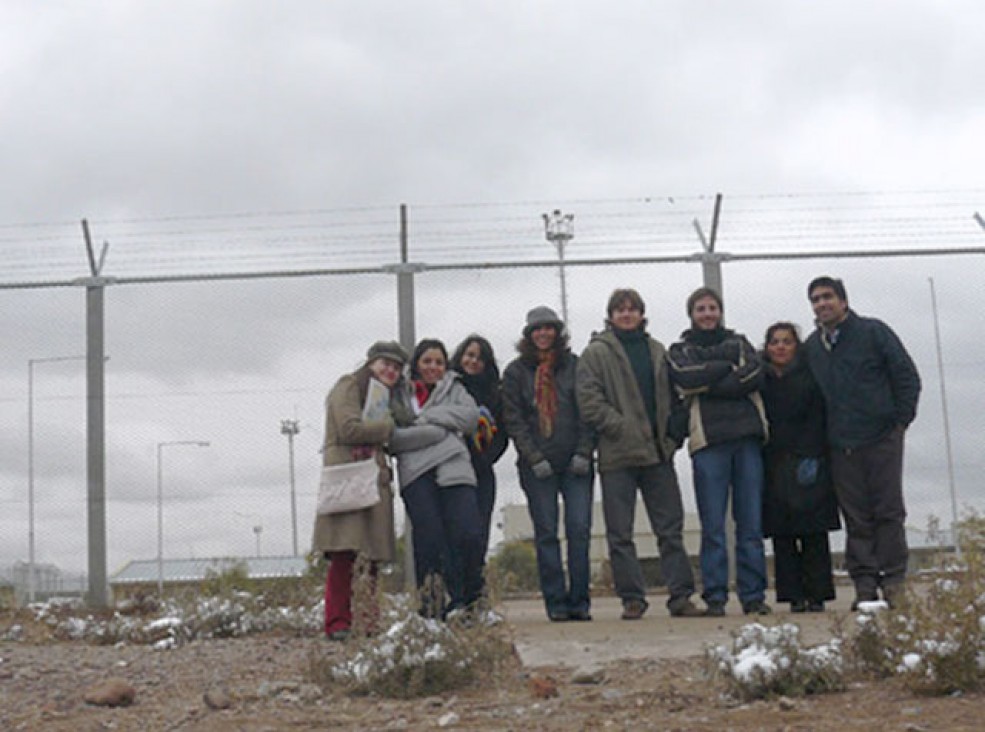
869, 484
803, 568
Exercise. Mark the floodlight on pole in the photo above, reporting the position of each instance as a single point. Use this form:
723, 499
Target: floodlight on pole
559, 229
290, 427
160, 504
31, 557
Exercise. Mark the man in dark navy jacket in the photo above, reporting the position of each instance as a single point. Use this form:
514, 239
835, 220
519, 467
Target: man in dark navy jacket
871, 388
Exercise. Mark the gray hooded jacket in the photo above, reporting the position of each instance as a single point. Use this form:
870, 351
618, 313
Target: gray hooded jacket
436, 439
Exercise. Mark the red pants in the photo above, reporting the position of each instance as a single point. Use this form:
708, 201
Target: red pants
338, 594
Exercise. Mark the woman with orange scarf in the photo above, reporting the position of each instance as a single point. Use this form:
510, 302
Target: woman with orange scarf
554, 458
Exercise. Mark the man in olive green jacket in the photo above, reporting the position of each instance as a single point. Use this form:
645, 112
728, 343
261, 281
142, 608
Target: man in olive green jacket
624, 393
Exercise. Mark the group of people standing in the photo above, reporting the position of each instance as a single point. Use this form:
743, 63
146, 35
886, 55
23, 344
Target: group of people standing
786, 436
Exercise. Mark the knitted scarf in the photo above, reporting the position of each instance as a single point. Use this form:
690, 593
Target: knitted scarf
545, 392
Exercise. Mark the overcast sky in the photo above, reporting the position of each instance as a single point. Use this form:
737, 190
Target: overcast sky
213, 137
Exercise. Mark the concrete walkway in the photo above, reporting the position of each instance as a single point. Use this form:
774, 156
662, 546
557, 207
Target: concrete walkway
607, 638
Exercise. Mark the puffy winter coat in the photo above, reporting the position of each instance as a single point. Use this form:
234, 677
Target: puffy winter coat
437, 438
719, 374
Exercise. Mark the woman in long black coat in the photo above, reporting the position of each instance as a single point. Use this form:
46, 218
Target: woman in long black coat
799, 504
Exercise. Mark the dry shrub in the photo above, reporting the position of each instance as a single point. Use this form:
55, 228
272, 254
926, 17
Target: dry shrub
936, 641
414, 656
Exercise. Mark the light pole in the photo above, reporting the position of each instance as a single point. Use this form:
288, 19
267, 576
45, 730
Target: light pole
559, 230
31, 580
290, 427
160, 505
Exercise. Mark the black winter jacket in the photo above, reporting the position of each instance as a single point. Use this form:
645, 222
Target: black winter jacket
794, 504
571, 435
719, 374
869, 381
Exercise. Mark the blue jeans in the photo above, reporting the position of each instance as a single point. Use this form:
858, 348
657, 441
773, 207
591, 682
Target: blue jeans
445, 522
737, 464
561, 596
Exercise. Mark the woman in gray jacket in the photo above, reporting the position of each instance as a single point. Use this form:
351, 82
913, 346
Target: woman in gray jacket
437, 481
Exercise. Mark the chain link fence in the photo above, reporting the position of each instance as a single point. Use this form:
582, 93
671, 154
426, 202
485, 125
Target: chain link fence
204, 347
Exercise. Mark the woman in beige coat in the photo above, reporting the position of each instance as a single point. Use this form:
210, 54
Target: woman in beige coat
348, 437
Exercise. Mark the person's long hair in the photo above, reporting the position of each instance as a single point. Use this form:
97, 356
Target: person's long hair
528, 351
480, 386
491, 368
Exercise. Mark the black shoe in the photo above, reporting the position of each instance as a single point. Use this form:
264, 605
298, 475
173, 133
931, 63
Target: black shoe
715, 610
798, 606
340, 636
559, 616
579, 616
634, 609
757, 607
815, 606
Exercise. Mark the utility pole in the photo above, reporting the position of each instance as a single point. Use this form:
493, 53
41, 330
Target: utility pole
947, 423
290, 428
711, 261
559, 230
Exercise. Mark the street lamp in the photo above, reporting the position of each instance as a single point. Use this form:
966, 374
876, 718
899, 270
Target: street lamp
160, 505
290, 428
31, 580
559, 230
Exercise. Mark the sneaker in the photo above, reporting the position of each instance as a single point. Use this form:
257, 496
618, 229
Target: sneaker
490, 618
715, 610
682, 607
340, 636
581, 616
798, 606
634, 609
756, 607
815, 606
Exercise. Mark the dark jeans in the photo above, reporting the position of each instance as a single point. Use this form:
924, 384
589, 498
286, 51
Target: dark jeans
485, 493
737, 467
542, 500
445, 522
869, 484
803, 568
661, 494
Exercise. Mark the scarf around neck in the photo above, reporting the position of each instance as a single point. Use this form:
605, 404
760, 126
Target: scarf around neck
545, 392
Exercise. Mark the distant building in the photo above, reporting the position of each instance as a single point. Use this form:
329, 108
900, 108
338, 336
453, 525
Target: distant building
49, 581
518, 527
140, 576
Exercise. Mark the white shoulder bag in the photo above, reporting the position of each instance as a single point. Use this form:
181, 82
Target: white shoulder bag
349, 487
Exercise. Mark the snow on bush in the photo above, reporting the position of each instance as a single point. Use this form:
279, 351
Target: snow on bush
769, 660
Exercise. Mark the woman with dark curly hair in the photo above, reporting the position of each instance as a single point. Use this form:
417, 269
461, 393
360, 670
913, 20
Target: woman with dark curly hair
554, 458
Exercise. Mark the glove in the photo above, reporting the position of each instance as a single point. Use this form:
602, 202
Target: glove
807, 471
485, 430
579, 465
542, 470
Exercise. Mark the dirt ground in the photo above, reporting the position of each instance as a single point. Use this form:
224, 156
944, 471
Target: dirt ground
644, 675
266, 683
